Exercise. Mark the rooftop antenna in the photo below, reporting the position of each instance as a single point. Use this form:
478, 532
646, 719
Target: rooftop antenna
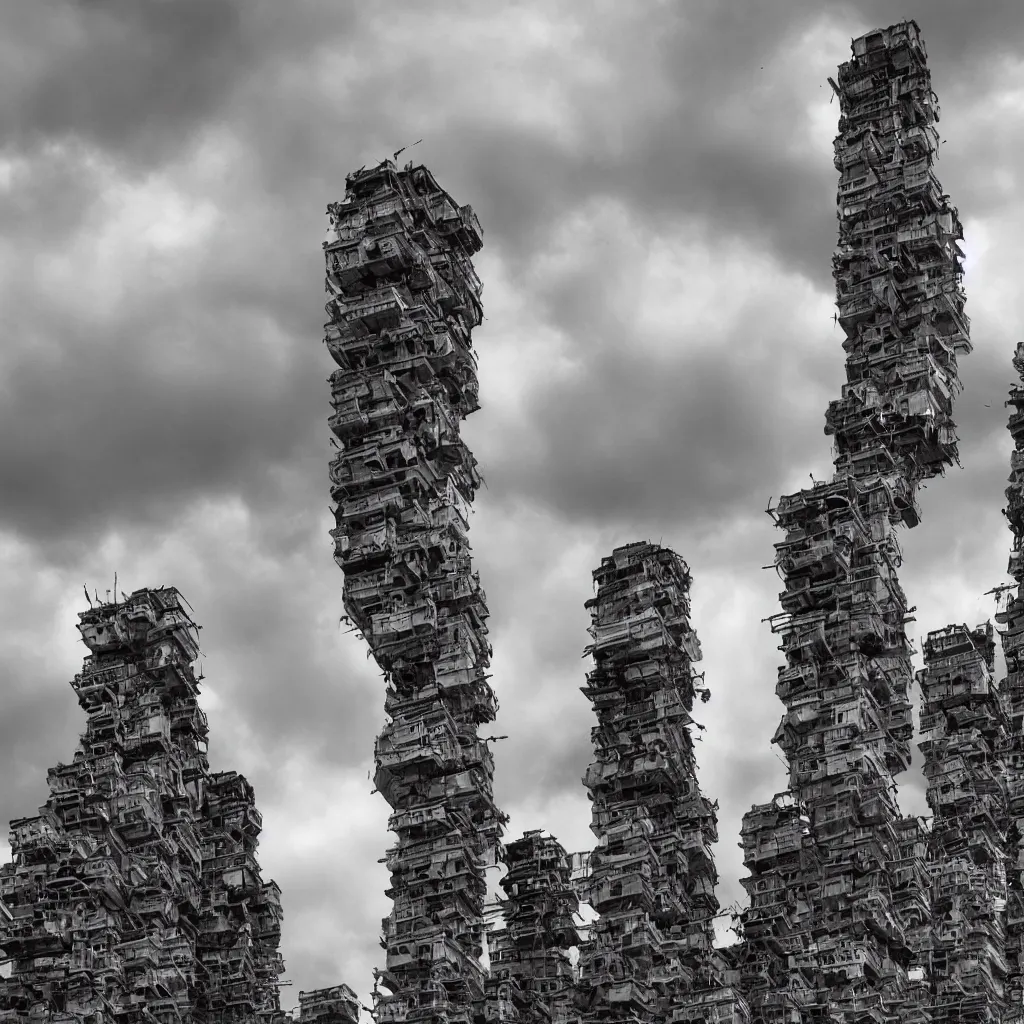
404, 148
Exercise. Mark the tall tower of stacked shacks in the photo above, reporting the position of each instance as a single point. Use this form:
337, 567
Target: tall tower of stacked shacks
1011, 619
652, 874
404, 299
135, 893
963, 739
848, 886
531, 976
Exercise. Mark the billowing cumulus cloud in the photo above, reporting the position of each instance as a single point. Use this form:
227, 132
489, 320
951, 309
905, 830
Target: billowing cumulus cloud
656, 186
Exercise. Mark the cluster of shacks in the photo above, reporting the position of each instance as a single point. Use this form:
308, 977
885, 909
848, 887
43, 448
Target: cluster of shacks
1011, 618
652, 875
848, 882
963, 733
531, 974
403, 300
135, 894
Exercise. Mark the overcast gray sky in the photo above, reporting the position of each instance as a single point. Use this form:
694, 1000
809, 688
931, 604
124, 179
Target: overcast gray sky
656, 187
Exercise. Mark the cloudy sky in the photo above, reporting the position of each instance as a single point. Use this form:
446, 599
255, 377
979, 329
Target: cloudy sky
656, 187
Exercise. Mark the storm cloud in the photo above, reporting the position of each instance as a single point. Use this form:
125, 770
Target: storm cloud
656, 187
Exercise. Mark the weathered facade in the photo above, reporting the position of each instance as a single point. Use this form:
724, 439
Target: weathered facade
134, 894
963, 732
652, 876
847, 727
404, 299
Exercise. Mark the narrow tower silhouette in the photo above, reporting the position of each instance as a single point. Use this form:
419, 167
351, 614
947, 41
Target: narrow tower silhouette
404, 299
847, 727
652, 875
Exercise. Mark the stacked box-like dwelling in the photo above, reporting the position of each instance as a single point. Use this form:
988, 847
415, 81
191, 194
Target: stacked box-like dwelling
532, 978
240, 928
911, 879
652, 875
404, 299
783, 859
335, 1005
963, 738
127, 905
847, 727
1011, 621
